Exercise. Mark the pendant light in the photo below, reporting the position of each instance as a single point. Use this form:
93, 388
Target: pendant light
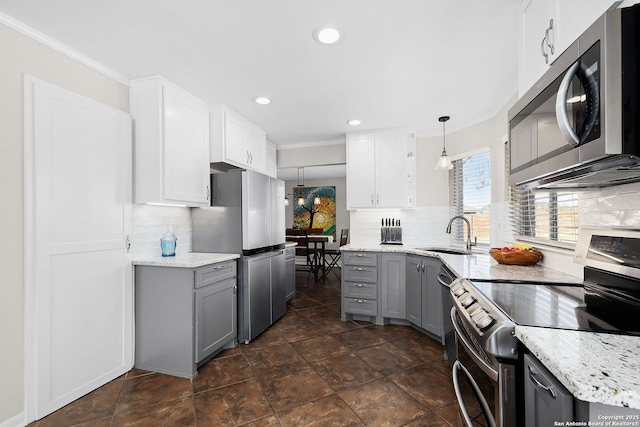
300, 199
444, 162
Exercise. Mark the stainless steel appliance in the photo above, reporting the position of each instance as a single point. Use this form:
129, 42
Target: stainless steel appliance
484, 314
246, 216
577, 127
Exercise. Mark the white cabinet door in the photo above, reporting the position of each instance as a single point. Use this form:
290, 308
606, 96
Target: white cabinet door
535, 18
236, 141
186, 147
570, 19
257, 147
361, 175
391, 183
236, 138
171, 134
79, 299
377, 169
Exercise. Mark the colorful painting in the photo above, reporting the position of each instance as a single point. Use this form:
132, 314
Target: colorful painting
310, 215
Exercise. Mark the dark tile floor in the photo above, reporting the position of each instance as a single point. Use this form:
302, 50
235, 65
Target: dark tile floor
308, 369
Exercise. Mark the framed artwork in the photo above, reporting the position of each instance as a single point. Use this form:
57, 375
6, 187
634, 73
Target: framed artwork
318, 210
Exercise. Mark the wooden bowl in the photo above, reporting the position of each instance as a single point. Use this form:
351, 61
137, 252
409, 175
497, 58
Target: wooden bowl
516, 258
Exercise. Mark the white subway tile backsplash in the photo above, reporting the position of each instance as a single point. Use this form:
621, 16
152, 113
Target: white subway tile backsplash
600, 219
150, 222
630, 218
420, 226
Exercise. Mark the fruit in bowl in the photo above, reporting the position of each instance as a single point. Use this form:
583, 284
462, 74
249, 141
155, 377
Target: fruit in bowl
516, 254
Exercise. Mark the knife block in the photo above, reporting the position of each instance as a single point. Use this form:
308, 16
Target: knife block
391, 235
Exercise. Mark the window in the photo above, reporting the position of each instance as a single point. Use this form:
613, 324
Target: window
470, 196
545, 216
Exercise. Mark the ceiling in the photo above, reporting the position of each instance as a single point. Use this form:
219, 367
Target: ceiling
402, 63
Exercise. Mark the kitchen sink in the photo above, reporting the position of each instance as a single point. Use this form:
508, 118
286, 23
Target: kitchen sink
445, 250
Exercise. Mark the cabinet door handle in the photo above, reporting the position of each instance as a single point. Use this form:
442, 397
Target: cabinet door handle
543, 51
418, 268
532, 375
127, 243
371, 199
208, 193
235, 289
377, 199
547, 37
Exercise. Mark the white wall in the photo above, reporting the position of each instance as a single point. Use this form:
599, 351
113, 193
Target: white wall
23, 55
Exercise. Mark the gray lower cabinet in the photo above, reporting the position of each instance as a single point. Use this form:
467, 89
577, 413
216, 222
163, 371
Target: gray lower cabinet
183, 316
393, 300
290, 277
546, 400
424, 294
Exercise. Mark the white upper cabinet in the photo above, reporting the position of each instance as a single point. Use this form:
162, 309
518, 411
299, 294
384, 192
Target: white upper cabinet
171, 140
377, 169
272, 157
236, 141
547, 28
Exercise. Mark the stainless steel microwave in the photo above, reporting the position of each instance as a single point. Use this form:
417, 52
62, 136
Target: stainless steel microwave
579, 125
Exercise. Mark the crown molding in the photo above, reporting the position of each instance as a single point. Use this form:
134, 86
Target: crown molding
311, 144
36, 35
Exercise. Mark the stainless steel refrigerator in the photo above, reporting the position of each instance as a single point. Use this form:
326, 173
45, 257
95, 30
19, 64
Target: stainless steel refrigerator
246, 216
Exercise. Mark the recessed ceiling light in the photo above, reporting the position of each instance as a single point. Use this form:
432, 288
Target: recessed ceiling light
354, 122
262, 100
327, 34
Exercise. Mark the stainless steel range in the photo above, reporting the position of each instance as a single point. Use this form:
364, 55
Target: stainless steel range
484, 314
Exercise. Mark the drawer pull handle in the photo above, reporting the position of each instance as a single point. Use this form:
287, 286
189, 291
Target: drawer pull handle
359, 255
360, 301
532, 375
360, 285
359, 269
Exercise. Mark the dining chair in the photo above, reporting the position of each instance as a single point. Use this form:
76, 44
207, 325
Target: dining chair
302, 249
335, 254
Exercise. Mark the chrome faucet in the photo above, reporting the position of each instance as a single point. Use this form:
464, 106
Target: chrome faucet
448, 231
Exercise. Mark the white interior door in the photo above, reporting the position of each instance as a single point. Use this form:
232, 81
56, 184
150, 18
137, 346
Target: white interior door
78, 219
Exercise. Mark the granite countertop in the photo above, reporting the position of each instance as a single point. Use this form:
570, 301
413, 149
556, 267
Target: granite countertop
188, 260
478, 266
594, 367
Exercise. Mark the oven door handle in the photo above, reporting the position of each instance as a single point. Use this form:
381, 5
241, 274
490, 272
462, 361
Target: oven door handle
486, 368
486, 411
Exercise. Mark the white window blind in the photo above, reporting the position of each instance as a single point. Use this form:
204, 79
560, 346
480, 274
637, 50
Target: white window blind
470, 196
546, 216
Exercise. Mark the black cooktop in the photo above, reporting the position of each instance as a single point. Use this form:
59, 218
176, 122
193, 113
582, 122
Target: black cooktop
562, 307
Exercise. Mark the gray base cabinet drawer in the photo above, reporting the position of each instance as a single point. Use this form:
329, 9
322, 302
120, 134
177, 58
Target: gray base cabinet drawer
360, 290
360, 306
359, 258
352, 273
211, 274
